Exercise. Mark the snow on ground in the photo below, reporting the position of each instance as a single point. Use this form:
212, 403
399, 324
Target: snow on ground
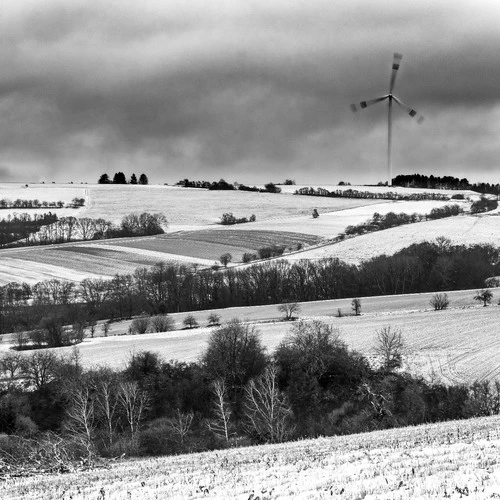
330, 224
44, 192
454, 459
20, 270
461, 230
458, 345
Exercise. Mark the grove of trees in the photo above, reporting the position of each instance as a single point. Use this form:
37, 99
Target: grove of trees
119, 178
236, 394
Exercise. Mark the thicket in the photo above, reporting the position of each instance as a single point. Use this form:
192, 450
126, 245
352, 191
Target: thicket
379, 222
164, 288
354, 193
229, 219
238, 393
483, 205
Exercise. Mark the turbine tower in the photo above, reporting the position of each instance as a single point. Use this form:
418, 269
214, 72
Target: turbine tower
390, 98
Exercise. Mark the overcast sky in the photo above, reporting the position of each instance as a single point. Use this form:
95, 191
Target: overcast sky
248, 90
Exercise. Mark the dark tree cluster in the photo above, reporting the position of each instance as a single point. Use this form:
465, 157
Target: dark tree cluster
237, 394
445, 182
222, 185
229, 219
354, 193
483, 205
119, 178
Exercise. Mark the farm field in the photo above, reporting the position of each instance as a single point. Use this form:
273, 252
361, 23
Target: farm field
453, 346
75, 261
189, 208
43, 192
330, 224
446, 460
461, 230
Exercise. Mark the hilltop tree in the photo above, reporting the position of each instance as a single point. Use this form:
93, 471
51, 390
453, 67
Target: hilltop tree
133, 179
104, 179
143, 179
119, 178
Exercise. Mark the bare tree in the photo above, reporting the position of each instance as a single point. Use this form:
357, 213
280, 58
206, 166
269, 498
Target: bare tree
11, 363
139, 326
221, 426
135, 403
190, 321
107, 402
289, 309
161, 323
81, 422
266, 409
105, 328
390, 347
181, 425
213, 319
39, 368
439, 301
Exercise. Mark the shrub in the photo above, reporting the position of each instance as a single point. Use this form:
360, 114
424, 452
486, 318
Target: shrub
390, 347
289, 309
161, 323
248, 257
271, 251
439, 301
213, 319
139, 326
190, 321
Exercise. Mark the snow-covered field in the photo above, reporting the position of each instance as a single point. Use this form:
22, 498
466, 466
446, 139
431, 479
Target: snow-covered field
458, 345
330, 224
461, 230
186, 208
457, 459
44, 192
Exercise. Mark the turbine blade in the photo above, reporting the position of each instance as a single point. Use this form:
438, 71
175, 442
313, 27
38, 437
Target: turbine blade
413, 113
365, 104
396, 61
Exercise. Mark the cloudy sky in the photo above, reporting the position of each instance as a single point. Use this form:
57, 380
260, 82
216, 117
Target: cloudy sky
249, 90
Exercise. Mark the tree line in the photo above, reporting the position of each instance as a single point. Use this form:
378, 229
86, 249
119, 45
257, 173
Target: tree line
445, 182
237, 394
47, 229
18, 203
354, 193
119, 178
380, 222
166, 288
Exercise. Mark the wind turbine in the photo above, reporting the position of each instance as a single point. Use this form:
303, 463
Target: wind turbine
390, 98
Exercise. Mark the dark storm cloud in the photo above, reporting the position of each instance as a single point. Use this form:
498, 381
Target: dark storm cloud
246, 91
